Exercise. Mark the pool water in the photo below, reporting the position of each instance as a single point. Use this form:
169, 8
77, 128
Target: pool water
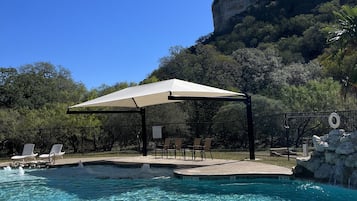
99, 182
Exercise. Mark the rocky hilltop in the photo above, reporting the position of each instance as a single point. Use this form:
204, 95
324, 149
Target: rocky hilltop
224, 10
226, 13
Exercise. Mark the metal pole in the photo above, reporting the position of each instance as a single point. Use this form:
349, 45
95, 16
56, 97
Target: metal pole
248, 103
286, 126
144, 135
246, 99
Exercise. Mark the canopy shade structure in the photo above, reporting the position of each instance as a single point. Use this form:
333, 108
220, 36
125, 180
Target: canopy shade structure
155, 93
168, 91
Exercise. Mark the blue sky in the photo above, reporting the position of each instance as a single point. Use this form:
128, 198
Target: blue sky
100, 41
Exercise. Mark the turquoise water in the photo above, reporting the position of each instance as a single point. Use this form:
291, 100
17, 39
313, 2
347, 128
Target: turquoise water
99, 182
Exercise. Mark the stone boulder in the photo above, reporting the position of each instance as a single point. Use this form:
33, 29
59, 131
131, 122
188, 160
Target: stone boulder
351, 161
333, 138
334, 159
331, 157
319, 144
324, 172
345, 148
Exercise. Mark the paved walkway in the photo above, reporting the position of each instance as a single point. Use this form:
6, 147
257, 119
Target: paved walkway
191, 168
238, 168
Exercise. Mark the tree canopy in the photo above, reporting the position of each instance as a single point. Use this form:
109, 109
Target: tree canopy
290, 55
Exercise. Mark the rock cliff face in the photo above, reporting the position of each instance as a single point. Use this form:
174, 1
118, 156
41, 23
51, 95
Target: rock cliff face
224, 10
334, 159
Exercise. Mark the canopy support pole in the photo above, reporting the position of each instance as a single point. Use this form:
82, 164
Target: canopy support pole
246, 99
251, 140
143, 133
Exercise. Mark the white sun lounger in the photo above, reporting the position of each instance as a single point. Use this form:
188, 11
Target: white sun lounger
27, 153
56, 152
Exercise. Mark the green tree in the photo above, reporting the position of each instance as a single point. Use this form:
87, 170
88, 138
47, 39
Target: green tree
295, 74
255, 67
340, 59
230, 123
313, 42
316, 95
28, 99
8, 131
123, 129
290, 49
202, 64
326, 10
268, 126
229, 127
345, 32
35, 85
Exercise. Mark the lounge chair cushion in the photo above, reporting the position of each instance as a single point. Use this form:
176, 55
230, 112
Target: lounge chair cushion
56, 151
27, 152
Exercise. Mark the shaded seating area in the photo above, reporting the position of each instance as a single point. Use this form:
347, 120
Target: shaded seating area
135, 100
175, 146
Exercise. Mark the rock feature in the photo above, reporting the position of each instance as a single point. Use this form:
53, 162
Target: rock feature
334, 159
224, 10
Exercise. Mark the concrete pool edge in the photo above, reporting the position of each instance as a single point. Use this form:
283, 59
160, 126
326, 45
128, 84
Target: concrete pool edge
234, 177
216, 168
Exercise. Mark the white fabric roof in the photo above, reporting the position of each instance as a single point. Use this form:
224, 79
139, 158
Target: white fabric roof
154, 94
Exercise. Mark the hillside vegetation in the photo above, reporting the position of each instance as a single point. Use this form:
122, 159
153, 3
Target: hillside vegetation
289, 55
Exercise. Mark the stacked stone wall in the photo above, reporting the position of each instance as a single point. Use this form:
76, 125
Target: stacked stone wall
333, 160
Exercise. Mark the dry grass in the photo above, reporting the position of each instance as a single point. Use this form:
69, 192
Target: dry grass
260, 156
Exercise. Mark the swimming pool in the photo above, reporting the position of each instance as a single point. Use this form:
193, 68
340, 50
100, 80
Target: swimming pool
106, 182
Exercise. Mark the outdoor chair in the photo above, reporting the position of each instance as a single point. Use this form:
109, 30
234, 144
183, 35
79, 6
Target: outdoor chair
55, 153
195, 147
163, 148
27, 153
177, 146
206, 147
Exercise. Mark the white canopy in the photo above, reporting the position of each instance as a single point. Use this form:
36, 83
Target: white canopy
155, 93
159, 93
